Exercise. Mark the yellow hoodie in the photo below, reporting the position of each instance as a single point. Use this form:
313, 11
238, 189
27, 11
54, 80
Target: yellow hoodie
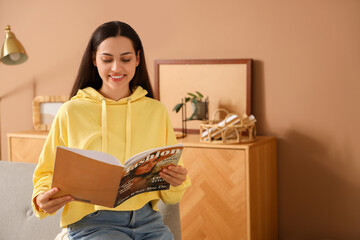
121, 128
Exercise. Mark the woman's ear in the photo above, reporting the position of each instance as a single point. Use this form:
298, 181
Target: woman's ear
94, 59
138, 58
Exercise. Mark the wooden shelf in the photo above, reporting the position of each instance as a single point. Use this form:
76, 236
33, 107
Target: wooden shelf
193, 140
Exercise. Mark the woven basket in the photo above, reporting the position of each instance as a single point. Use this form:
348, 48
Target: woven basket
232, 129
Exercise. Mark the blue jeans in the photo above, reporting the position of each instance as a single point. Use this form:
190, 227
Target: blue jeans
144, 223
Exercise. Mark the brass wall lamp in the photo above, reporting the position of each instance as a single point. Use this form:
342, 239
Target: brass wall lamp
12, 51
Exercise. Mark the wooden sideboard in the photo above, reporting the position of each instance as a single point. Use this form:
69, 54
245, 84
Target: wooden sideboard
26, 146
234, 190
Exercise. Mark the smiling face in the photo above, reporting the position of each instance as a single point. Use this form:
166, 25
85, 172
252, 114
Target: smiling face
116, 62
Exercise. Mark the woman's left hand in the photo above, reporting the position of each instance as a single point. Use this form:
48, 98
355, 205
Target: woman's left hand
175, 175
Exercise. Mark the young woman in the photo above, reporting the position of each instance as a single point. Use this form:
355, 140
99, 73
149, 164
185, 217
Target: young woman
111, 110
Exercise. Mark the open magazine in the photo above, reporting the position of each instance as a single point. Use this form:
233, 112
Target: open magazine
99, 178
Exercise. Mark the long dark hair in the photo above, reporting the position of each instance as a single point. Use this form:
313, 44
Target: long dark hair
88, 75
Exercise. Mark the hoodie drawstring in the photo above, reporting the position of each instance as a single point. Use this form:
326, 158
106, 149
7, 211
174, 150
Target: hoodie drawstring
103, 126
90, 94
128, 130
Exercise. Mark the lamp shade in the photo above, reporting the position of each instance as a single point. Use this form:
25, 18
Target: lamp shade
12, 51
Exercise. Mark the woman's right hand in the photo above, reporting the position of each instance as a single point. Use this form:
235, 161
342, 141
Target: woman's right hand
48, 205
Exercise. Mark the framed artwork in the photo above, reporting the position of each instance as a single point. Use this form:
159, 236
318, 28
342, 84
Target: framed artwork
226, 82
45, 109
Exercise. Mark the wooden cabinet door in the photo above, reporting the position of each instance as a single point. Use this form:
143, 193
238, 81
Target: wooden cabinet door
25, 149
214, 207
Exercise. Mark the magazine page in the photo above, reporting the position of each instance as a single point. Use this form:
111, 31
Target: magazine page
135, 158
143, 175
96, 155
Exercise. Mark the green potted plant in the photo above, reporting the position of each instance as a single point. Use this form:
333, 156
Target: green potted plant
198, 105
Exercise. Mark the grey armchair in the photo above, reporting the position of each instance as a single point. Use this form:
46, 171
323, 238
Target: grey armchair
18, 221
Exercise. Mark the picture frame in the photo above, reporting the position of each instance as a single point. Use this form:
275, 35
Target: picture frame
226, 82
45, 109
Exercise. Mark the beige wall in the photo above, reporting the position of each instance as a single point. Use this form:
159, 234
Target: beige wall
305, 85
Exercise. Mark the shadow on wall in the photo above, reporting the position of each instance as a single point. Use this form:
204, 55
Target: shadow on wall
314, 201
258, 95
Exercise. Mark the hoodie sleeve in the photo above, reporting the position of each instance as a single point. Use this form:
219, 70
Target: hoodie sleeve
42, 176
174, 194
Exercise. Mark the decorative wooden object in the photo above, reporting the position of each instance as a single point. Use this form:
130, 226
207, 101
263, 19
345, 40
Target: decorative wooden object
26, 146
234, 190
230, 130
44, 110
227, 83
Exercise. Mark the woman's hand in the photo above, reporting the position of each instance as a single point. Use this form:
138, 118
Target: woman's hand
175, 175
48, 205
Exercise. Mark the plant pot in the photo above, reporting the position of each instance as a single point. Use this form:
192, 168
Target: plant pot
199, 111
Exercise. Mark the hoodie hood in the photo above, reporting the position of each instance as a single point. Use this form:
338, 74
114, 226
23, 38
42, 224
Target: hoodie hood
91, 95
